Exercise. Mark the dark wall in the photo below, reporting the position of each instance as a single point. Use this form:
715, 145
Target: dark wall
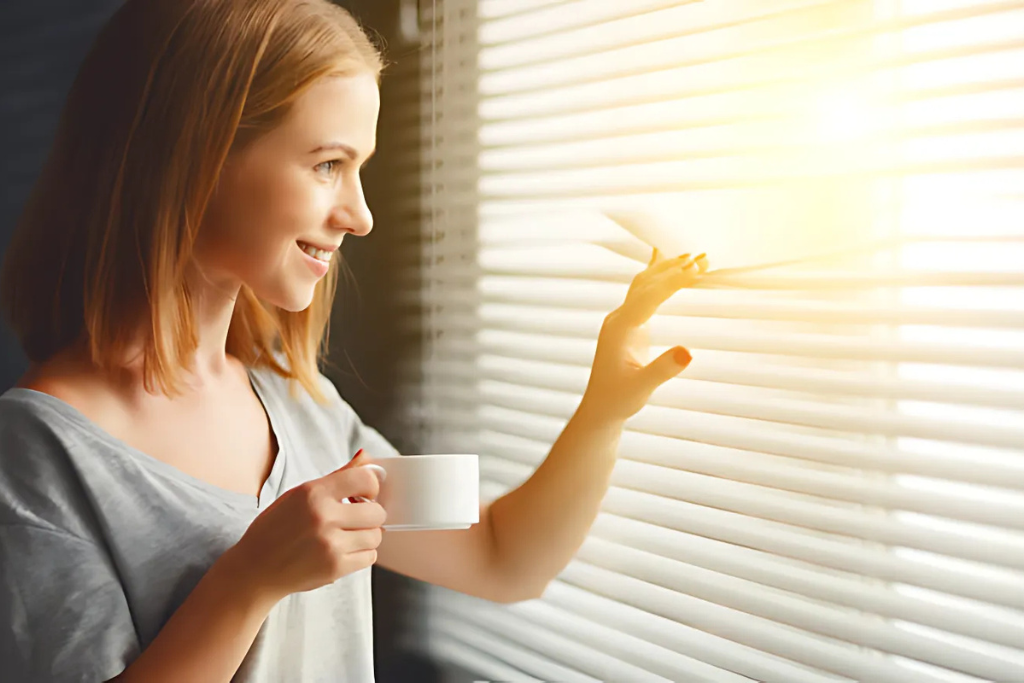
41, 44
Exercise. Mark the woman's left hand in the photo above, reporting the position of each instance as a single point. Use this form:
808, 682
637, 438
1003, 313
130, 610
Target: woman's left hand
621, 380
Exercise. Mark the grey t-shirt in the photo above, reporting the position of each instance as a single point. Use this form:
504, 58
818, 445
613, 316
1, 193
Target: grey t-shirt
100, 543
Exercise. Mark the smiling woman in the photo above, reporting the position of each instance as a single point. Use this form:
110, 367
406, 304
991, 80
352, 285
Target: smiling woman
172, 271
280, 211
124, 240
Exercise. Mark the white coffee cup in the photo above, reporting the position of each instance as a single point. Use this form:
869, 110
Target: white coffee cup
438, 491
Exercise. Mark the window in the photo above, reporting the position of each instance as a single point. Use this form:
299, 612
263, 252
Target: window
834, 490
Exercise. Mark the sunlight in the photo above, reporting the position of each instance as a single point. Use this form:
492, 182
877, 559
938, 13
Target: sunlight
844, 116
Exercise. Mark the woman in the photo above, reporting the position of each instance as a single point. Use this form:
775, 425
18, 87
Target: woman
173, 468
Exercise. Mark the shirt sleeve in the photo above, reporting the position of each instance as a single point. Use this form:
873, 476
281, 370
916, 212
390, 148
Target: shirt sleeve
63, 613
353, 431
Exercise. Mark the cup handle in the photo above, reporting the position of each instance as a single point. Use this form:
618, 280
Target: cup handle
381, 473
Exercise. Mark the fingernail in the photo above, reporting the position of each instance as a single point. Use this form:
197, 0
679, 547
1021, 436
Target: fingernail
704, 255
358, 453
682, 357
382, 474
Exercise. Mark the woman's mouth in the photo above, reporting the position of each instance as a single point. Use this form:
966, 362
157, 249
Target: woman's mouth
318, 254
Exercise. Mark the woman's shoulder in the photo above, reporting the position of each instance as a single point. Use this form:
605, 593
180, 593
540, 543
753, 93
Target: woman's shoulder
30, 417
38, 479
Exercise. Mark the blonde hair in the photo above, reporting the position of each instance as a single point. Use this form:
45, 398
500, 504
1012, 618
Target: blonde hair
168, 90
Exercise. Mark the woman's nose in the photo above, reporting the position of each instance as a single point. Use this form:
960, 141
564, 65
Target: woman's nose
351, 214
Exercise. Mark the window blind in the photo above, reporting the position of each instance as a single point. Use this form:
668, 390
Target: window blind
834, 490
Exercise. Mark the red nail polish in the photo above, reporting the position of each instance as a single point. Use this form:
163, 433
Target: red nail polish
358, 453
682, 357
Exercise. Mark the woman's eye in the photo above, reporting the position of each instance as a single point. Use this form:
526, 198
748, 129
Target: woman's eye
327, 167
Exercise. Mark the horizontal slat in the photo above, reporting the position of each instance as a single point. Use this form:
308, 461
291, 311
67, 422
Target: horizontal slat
955, 541
571, 381
568, 371
625, 646
969, 542
710, 110
763, 634
496, 9
686, 81
449, 649
995, 625
564, 16
551, 329
765, 39
599, 637
541, 638
709, 398
751, 143
730, 24
845, 625
653, 628
763, 438
992, 507
604, 296
562, 369
595, 263
670, 22
519, 657
977, 543
725, 173
771, 33
968, 580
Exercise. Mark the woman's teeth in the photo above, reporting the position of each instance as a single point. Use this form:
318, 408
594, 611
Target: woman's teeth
318, 254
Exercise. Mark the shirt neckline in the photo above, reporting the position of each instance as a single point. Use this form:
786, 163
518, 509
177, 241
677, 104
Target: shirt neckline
245, 500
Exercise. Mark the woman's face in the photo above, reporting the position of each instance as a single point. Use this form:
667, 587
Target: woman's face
284, 202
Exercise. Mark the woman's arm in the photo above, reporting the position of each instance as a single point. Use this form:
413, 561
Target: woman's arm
526, 537
540, 526
210, 633
307, 538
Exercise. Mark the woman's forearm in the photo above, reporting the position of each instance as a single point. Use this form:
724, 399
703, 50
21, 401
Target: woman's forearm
210, 633
539, 526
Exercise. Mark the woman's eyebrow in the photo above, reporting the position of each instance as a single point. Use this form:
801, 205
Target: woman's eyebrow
330, 146
348, 150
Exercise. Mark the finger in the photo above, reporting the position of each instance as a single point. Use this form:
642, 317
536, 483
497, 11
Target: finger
644, 301
665, 265
358, 459
362, 540
362, 559
656, 269
357, 516
702, 263
352, 481
674, 279
665, 367
337, 514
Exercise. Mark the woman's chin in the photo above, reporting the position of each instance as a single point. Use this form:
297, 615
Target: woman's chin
297, 304
291, 301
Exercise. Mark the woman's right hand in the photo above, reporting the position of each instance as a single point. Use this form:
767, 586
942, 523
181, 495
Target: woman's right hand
309, 537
